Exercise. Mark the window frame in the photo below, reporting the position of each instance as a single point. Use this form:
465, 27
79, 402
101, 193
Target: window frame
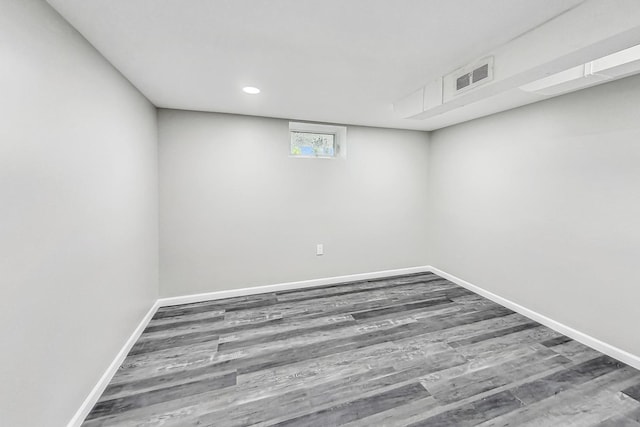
339, 138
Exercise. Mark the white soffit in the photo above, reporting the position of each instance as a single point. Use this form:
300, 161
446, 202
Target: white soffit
588, 45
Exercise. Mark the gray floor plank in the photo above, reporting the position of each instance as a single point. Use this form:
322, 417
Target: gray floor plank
473, 413
618, 421
358, 408
122, 404
567, 406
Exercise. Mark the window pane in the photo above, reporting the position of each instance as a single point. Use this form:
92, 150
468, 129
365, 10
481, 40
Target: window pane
312, 144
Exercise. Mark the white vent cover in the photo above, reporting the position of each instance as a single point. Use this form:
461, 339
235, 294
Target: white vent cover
471, 76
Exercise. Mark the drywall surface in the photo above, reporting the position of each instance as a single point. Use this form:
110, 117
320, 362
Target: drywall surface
78, 209
541, 205
237, 211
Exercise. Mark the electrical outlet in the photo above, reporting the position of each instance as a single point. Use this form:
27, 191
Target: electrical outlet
319, 249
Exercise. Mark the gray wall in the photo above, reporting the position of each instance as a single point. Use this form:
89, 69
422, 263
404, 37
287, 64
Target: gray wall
78, 209
541, 205
237, 211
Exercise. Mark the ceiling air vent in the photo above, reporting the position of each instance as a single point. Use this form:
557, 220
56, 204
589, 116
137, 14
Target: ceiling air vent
480, 73
463, 81
473, 75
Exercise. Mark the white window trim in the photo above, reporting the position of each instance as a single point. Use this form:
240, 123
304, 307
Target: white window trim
339, 132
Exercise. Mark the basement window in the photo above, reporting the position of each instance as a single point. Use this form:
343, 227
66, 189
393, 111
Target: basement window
310, 140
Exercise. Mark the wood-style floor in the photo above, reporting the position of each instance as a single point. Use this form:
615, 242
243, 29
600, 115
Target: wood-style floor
414, 350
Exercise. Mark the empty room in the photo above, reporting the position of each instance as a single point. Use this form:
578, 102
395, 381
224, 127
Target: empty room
319, 213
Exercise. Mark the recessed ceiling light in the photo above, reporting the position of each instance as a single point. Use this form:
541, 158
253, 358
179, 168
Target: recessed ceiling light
251, 90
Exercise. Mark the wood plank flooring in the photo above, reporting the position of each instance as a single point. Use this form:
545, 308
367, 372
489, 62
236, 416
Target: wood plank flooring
414, 350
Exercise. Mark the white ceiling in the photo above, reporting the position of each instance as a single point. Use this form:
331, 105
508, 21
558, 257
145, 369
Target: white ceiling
341, 61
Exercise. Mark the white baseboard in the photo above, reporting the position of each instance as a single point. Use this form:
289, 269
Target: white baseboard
208, 296
601, 346
99, 388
